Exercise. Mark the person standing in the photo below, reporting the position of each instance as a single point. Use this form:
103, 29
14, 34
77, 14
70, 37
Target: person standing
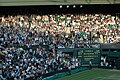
90, 64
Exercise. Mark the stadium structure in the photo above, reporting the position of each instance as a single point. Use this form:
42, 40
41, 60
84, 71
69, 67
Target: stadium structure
59, 39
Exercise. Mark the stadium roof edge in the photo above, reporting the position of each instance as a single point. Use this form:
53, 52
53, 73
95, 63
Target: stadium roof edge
46, 2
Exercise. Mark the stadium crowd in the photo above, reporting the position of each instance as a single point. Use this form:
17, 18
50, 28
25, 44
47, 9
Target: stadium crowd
56, 31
